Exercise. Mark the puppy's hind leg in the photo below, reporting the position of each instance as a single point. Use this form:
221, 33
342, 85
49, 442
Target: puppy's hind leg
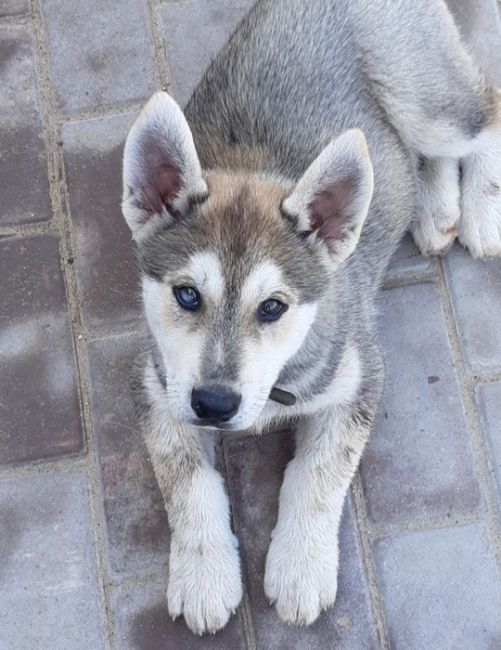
441, 104
436, 224
480, 223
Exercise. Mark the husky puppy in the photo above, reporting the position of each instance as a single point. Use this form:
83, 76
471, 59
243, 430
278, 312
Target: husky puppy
264, 218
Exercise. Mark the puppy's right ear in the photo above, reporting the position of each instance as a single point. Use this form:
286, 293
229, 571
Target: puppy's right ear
161, 170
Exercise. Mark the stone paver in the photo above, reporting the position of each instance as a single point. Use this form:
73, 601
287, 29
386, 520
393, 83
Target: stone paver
84, 535
39, 408
24, 186
440, 589
99, 53
413, 466
49, 596
478, 312
136, 521
104, 260
13, 7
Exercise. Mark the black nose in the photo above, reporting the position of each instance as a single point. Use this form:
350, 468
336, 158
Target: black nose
215, 403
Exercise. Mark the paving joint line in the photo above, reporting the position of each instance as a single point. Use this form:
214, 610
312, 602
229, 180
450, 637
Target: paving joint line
24, 231
66, 463
162, 65
140, 579
377, 530
61, 219
477, 435
410, 278
111, 332
96, 112
487, 377
369, 566
15, 21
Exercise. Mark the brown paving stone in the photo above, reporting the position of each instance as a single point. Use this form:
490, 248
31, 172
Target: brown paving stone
104, 260
189, 57
48, 592
141, 622
24, 186
99, 52
39, 408
419, 461
136, 522
255, 467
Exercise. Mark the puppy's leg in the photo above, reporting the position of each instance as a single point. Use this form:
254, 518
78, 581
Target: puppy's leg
440, 103
302, 562
204, 566
437, 221
480, 223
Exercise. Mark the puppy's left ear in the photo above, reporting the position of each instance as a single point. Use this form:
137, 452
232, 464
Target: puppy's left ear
161, 170
332, 198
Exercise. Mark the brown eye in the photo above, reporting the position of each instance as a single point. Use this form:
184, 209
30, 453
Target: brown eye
187, 297
271, 310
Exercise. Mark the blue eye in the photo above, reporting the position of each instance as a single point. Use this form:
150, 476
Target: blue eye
187, 297
271, 310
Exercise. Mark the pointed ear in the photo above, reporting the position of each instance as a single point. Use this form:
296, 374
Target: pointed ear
161, 170
332, 198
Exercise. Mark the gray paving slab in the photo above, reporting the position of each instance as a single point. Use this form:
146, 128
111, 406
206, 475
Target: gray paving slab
39, 403
24, 185
413, 466
48, 595
136, 521
100, 52
440, 589
14, 7
104, 253
475, 288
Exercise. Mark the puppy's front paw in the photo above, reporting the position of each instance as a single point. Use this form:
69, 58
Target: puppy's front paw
204, 582
301, 574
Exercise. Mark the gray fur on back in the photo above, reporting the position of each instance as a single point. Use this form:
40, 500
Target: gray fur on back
289, 81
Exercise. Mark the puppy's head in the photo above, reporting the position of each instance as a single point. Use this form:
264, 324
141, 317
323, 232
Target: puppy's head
234, 265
